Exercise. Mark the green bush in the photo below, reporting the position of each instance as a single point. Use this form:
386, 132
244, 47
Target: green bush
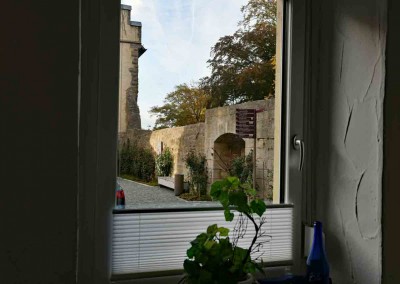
136, 161
198, 177
164, 163
242, 167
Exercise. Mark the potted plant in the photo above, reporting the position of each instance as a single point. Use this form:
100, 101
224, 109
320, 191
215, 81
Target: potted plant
214, 256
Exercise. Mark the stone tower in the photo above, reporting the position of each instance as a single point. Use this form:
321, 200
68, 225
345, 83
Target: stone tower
131, 49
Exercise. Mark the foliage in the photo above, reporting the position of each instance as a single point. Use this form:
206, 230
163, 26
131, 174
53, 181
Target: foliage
213, 257
153, 182
242, 69
198, 177
185, 105
270, 187
242, 167
164, 163
195, 197
243, 64
136, 161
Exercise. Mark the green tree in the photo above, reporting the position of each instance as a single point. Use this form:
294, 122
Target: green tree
243, 64
185, 105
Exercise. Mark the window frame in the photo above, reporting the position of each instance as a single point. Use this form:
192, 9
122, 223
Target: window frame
98, 128
295, 120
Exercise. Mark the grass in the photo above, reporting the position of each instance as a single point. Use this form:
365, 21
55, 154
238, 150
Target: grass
195, 197
132, 178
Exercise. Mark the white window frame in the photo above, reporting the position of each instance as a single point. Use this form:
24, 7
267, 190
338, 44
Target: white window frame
294, 86
98, 123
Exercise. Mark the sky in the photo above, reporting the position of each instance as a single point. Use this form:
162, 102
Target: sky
178, 36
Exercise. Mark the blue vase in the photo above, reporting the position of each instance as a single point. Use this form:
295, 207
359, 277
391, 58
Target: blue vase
317, 263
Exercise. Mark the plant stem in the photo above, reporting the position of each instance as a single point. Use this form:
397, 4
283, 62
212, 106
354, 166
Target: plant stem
254, 238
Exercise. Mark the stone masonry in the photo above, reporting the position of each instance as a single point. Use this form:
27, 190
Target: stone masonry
222, 120
203, 138
131, 49
180, 140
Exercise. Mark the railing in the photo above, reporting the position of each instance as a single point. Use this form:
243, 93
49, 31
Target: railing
157, 239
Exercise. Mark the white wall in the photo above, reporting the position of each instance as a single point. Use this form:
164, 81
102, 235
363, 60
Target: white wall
349, 81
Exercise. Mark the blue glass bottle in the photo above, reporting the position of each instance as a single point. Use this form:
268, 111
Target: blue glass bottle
317, 263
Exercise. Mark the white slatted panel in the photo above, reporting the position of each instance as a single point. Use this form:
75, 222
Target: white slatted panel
144, 242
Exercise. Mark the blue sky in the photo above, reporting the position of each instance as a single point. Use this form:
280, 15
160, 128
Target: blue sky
178, 35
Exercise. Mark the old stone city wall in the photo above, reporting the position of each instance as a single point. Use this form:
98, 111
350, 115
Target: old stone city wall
203, 138
180, 140
221, 121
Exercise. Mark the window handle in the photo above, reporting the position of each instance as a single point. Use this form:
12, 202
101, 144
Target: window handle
298, 144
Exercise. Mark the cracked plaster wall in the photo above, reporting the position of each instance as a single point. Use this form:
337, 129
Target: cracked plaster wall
349, 37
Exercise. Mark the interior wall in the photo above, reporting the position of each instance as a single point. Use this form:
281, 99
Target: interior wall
39, 55
349, 75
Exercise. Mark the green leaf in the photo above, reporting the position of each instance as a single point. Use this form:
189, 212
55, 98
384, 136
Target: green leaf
224, 199
250, 191
228, 215
250, 267
191, 252
191, 267
199, 239
258, 206
226, 249
212, 229
239, 199
239, 256
223, 232
216, 188
209, 244
234, 182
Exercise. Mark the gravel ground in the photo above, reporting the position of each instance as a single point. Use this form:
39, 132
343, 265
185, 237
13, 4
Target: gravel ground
139, 196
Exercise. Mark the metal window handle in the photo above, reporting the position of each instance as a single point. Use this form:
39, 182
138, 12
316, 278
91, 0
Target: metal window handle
298, 144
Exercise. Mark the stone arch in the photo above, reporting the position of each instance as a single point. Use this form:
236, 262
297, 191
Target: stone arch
226, 147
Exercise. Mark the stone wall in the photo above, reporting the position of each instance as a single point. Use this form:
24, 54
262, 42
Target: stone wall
180, 140
130, 50
140, 137
222, 120
202, 138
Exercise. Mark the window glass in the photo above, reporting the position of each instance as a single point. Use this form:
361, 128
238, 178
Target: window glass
199, 100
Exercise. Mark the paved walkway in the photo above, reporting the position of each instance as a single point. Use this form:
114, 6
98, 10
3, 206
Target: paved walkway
141, 196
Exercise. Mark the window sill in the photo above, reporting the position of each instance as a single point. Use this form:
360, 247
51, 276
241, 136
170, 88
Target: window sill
273, 270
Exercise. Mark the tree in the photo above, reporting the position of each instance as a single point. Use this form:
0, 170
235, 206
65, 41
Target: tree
243, 64
185, 105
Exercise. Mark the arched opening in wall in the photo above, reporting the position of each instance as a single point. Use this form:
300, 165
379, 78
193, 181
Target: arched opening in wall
227, 147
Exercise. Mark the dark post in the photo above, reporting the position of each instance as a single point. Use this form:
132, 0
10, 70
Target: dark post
178, 184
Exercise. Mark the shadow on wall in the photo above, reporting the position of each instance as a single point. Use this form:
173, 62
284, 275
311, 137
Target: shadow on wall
347, 121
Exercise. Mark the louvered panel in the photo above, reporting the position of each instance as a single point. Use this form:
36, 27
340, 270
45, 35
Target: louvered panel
158, 241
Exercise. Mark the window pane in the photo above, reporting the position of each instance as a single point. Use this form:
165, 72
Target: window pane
199, 98
199, 101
